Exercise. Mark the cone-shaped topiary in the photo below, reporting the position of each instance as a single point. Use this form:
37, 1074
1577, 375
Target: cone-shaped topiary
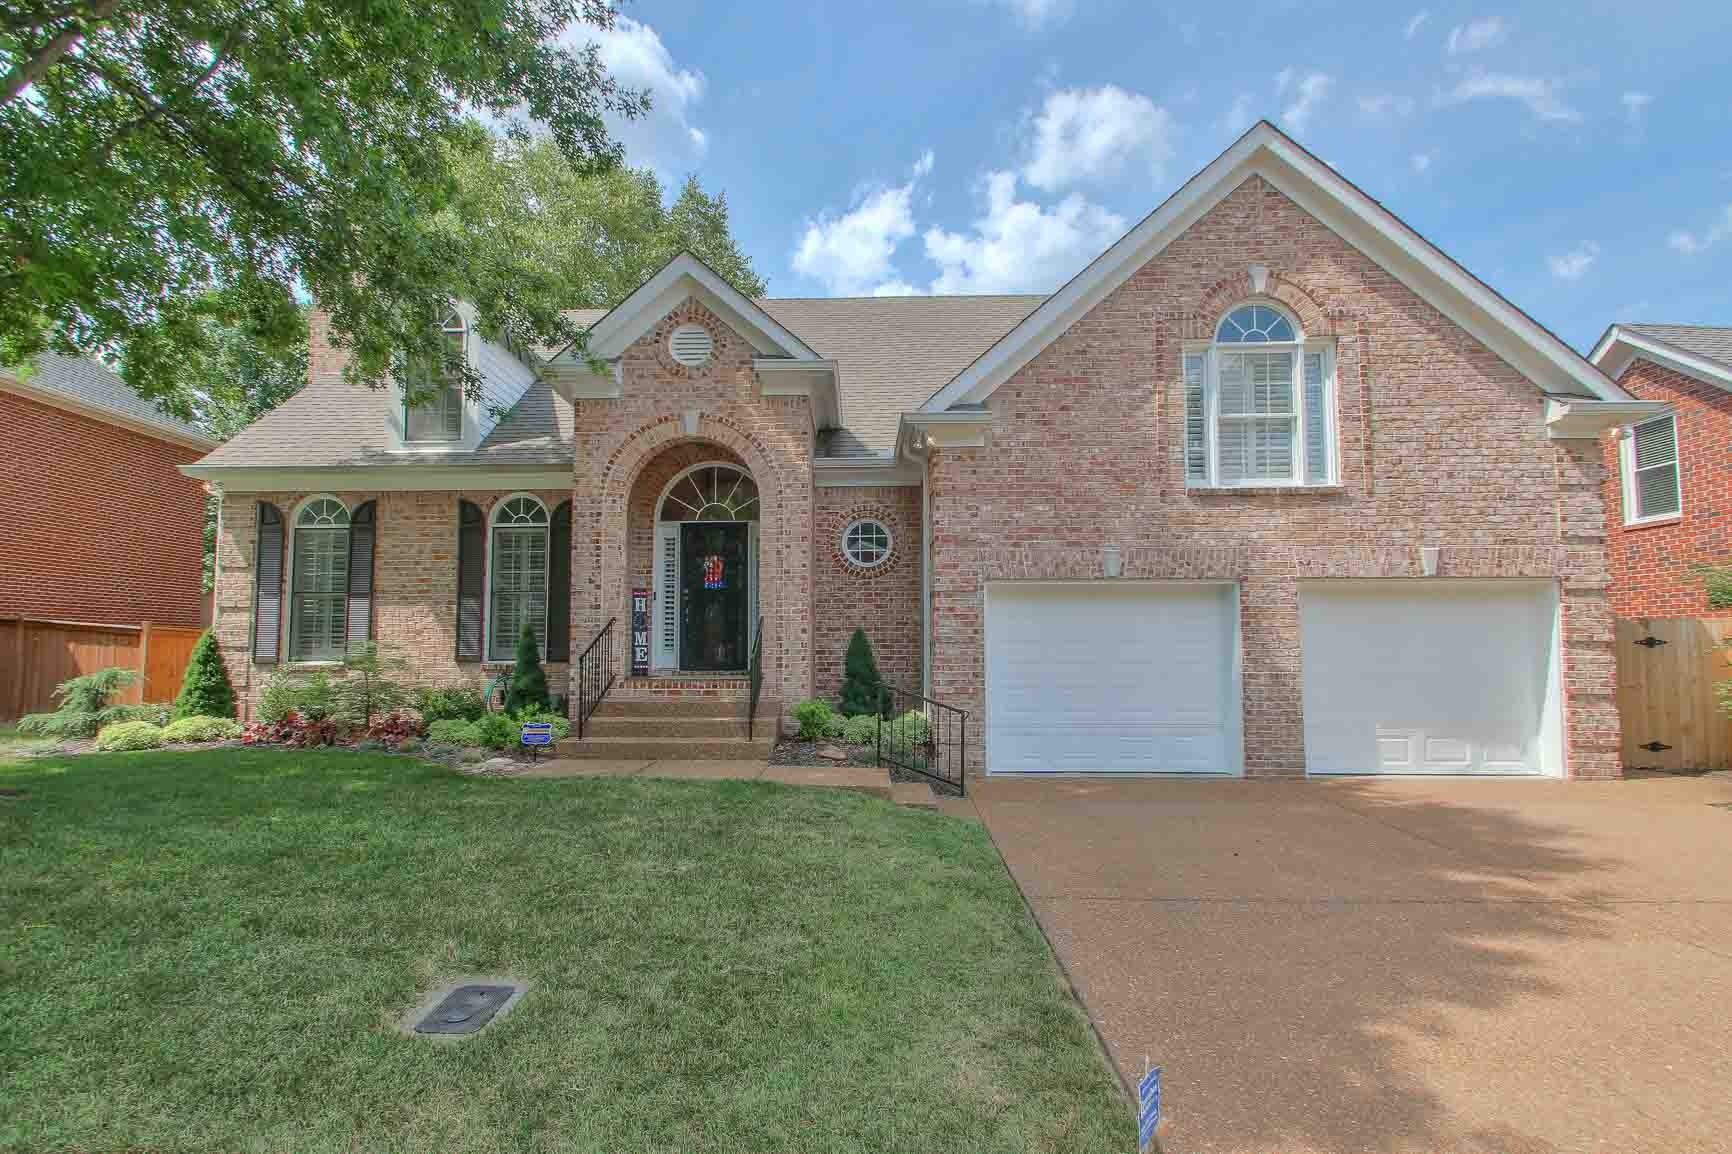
862, 688
205, 691
528, 688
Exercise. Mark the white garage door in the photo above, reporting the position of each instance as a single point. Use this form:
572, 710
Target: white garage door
1432, 676
1111, 677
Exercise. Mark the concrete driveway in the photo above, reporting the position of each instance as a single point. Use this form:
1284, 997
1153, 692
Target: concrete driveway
1507, 967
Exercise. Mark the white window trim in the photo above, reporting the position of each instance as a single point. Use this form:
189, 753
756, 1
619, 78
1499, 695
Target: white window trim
1208, 350
455, 322
487, 657
1627, 467
667, 489
287, 643
889, 543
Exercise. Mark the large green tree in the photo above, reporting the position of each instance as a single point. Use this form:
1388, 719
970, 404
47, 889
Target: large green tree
152, 151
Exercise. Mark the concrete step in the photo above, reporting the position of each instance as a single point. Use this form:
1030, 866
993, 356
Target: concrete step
913, 794
614, 705
668, 748
671, 725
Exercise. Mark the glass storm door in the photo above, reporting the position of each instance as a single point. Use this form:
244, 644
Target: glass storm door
713, 595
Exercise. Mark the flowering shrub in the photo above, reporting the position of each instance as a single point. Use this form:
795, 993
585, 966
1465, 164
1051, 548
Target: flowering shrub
294, 729
393, 729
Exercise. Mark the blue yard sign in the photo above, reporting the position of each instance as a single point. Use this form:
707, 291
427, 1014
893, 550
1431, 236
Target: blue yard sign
1148, 1107
538, 733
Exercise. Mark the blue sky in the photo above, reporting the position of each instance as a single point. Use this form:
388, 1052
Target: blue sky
1582, 165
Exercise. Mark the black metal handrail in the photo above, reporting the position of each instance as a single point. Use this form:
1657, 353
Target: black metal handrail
756, 674
592, 675
924, 737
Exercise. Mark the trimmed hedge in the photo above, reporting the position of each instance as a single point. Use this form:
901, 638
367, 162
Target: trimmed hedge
130, 735
201, 727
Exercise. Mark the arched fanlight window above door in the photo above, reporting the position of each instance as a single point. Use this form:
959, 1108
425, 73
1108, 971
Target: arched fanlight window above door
717, 492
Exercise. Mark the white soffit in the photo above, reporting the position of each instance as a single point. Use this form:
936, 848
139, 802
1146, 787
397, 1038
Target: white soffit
1358, 219
1620, 346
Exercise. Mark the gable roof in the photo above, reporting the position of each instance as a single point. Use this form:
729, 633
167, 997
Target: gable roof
685, 275
1700, 351
1265, 151
85, 386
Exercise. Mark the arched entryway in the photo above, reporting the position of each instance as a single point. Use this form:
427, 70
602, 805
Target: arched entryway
706, 569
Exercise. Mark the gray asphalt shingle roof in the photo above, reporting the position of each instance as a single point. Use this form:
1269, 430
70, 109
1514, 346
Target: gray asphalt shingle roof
1711, 341
91, 385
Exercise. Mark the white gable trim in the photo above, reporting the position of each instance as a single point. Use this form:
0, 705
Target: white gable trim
1360, 221
1620, 346
682, 277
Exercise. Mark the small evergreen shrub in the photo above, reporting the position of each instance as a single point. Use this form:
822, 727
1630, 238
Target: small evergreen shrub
155, 714
452, 731
367, 690
817, 720
201, 728
63, 725
130, 735
528, 688
313, 696
91, 693
861, 729
498, 731
450, 702
205, 691
862, 688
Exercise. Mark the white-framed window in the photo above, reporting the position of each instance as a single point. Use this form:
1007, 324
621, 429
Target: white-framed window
1653, 486
319, 581
517, 575
1259, 404
440, 416
866, 543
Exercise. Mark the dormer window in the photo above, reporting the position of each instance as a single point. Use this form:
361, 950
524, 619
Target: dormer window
439, 417
1259, 404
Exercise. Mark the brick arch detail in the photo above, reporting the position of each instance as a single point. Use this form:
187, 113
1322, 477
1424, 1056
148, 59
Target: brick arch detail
1229, 292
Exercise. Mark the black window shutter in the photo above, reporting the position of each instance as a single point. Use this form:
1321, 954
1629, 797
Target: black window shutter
559, 585
363, 530
268, 585
471, 571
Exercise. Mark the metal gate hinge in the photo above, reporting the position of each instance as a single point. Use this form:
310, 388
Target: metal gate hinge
1651, 642
1655, 747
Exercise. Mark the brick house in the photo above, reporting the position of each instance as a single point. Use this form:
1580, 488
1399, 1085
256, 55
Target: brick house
1272, 487
1669, 477
97, 522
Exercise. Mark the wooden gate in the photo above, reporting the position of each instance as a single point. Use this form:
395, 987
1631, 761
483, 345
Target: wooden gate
1667, 670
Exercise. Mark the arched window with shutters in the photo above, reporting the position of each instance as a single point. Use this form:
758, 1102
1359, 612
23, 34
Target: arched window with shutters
319, 581
517, 574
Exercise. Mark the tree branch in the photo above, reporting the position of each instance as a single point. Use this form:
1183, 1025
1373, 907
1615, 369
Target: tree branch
36, 65
155, 108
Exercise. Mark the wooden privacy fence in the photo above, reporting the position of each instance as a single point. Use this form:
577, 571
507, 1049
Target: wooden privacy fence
1667, 670
37, 655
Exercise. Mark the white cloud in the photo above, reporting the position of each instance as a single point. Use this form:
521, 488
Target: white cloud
1537, 93
1476, 36
851, 254
923, 165
1089, 134
1381, 104
895, 288
1308, 93
1634, 105
1418, 21
1018, 245
667, 139
1033, 14
1422, 161
1573, 265
1691, 243
1238, 116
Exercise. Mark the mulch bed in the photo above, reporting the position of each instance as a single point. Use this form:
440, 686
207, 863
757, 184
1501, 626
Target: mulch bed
805, 753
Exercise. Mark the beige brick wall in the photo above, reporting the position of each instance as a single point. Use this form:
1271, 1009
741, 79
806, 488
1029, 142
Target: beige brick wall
1441, 443
666, 407
414, 590
883, 600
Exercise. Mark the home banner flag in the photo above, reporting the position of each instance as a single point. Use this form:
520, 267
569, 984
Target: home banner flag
1148, 1107
640, 630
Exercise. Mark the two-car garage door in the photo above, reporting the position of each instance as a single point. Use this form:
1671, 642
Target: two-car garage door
1398, 677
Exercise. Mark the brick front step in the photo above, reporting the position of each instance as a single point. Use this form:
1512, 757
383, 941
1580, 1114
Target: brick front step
668, 748
683, 688
622, 706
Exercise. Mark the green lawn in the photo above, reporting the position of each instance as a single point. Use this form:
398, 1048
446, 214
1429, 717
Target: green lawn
211, 951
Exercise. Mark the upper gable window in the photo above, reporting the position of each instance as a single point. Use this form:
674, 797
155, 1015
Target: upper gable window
440, 416
1652, 487
1259, 404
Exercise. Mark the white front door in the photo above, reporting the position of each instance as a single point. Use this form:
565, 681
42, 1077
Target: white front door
1112, 677
1431, 677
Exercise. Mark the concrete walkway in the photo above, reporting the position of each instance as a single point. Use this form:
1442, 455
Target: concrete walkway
1503, 967
837, 777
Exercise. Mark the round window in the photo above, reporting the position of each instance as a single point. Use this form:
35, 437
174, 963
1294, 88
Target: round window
691, 345
866, 543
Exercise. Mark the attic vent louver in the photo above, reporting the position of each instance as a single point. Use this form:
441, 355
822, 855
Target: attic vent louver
691, 345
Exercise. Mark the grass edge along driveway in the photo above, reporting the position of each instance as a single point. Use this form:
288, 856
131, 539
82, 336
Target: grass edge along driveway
212, 950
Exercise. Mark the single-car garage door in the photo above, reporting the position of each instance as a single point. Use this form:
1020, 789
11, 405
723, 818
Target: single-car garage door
1111, 677
1430, 676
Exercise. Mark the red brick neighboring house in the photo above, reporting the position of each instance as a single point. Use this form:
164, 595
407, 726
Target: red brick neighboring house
1273, 486
1669, 478
97, 522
